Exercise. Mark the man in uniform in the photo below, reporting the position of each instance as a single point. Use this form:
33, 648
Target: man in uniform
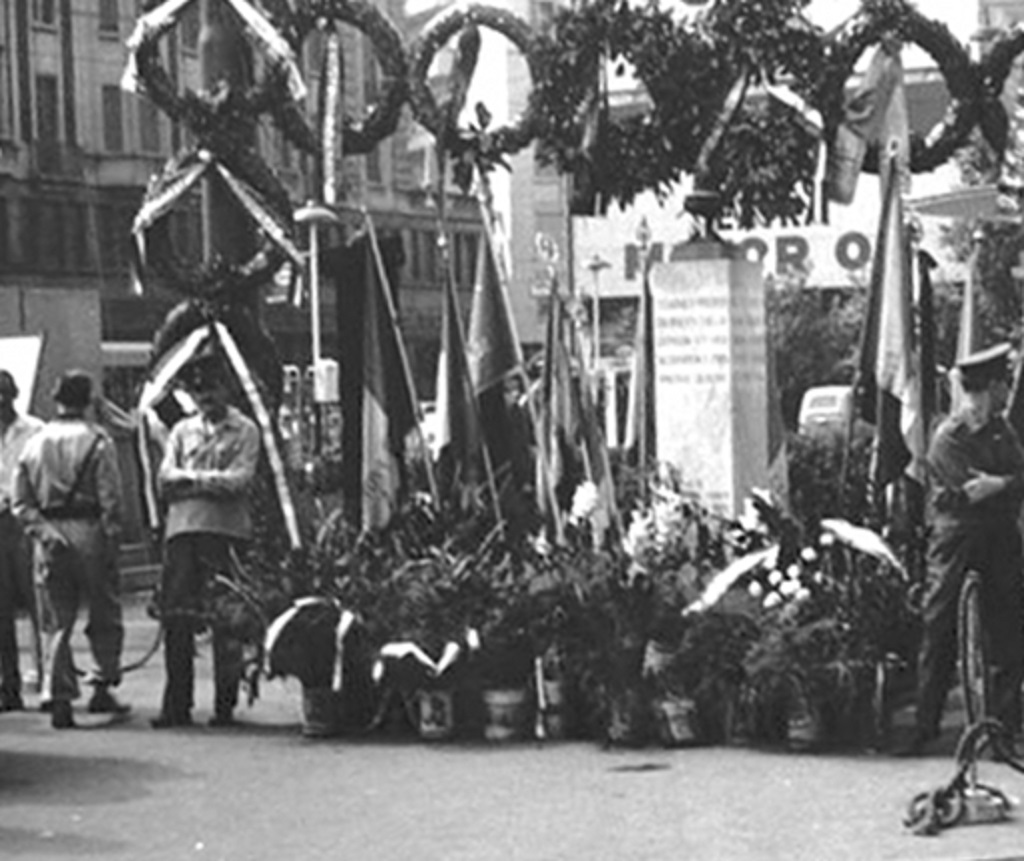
976, 465
209, 464
16, 588
67, 495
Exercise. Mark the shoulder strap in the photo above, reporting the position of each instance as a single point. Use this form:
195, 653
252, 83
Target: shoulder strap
80, 475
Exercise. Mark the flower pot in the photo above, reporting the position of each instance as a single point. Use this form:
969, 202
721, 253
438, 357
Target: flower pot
435, 714
319, 712
506, 714
554, 709
675, 718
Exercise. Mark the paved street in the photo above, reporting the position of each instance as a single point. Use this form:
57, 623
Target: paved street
263, 792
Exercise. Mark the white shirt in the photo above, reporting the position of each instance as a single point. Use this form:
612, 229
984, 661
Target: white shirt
12, 442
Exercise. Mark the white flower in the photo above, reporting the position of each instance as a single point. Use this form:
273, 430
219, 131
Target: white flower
541, 544
793, 571
773, 599
809, 555
584, 502
803, 593
775, 577
789, 588
755, 589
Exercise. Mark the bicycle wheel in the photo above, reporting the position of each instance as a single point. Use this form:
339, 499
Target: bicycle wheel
973, 663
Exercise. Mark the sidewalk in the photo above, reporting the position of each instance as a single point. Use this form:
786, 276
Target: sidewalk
263, 792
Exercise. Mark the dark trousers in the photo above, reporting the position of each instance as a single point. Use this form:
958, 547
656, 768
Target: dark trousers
15, 592
993, 550
190, 562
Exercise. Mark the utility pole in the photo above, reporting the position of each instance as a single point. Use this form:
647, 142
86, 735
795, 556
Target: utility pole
225, 57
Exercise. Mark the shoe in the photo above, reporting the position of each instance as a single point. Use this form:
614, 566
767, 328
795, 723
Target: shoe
103, 702
11, 702
220, 721
61, 716
164, 721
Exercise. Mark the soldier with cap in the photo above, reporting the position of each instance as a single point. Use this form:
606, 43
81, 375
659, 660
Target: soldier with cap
67, 495
976, 466
208, 466
15, 559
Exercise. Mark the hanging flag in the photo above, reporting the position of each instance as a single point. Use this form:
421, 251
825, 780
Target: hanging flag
492, 344
889, 390
557, 424
459, 440
388, 413
863, 120
889, 373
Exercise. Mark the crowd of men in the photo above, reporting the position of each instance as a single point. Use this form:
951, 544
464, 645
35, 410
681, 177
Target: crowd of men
61, 517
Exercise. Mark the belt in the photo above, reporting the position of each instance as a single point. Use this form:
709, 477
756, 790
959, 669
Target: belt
71, 512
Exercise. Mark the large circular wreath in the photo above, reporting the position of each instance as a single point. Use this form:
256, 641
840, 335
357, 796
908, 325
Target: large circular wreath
380, 122
505, 139
878, 21
995, 69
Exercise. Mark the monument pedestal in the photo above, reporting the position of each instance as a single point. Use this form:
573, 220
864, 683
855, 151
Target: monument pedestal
711, 381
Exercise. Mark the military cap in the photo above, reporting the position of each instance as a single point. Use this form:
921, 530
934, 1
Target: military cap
985, 366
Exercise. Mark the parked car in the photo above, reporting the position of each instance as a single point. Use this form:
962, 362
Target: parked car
825, 409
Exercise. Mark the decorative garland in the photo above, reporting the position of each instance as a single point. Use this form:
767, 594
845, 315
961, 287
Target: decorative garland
879, 18
763, 164
381, 121
487, 147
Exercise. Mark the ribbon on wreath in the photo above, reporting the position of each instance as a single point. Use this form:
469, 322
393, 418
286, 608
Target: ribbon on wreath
179, 176
344, 624
731, 105
262, 416
156, 22
400, 650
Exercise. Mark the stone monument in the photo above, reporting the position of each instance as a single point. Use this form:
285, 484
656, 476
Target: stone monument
711, 379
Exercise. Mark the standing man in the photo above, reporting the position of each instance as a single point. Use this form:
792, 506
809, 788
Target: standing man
16, 588
67, 495
976, 464
208, 467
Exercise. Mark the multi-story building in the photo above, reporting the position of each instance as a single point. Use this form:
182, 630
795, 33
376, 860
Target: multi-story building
76, 153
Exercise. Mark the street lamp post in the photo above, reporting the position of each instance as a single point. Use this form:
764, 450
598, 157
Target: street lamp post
643, 237
314, 215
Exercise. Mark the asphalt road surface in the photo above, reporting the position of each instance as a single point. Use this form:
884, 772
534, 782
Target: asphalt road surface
260, 791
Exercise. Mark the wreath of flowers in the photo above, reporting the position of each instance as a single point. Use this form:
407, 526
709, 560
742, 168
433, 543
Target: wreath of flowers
878, 20
362, 135
995, 69
480, 146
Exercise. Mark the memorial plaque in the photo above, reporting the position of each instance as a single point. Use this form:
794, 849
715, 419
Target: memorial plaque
711, 386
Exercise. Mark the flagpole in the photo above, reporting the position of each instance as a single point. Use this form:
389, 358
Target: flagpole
403, 356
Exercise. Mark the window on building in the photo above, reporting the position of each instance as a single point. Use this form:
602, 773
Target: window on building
150, 138
5, 247
113, 119
44, 12
110, 23
47, 109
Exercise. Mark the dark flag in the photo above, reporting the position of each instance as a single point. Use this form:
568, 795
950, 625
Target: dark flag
388, 411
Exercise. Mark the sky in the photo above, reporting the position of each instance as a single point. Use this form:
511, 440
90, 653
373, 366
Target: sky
961, 16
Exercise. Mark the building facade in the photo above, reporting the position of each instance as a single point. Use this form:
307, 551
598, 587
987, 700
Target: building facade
76, 154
